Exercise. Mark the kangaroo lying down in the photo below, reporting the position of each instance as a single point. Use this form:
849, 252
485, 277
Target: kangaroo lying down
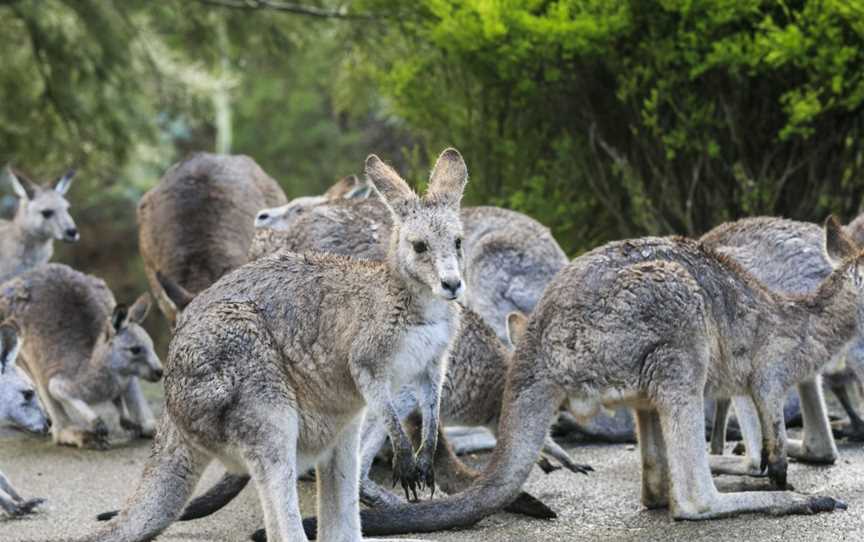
83, 349
657, 324
19, 407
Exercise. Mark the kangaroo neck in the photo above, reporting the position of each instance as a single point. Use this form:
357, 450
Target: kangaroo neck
829, 321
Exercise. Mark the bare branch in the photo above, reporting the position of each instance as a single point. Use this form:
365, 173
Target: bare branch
287, 7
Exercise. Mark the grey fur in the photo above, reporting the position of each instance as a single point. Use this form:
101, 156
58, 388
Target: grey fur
196, 224
509, 256
42, 217
271, 368
19, 407
282, 217
786, 256
657, 324
77, 356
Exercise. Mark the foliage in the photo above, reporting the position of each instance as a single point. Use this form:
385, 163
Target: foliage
622, 118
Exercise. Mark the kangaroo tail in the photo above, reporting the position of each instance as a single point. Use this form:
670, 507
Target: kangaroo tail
216, 497
169, 478
528, 408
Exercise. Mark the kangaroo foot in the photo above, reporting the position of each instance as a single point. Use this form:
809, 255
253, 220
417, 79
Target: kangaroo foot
852, 431
133, 428
546, 466
777, 470
807, 454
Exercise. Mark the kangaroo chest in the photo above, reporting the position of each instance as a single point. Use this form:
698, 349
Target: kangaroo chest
419, 347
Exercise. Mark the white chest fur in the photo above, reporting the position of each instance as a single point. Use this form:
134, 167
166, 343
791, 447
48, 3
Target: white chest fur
422, 346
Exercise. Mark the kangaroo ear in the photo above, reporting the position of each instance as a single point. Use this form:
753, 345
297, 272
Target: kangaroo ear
516, 324
118, 318
9, 346
139, 310
342, 188
838, 244
389, 185
448, 177
65, 182
23, 187
176, 293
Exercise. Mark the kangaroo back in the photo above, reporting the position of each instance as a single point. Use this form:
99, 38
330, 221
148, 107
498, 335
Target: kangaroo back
197, 223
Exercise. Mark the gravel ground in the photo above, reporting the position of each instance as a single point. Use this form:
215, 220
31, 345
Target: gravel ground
604, 506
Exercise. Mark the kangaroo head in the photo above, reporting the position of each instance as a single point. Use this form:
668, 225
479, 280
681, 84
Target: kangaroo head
130, 350
19, 405
281, 218
44, 211
426, 244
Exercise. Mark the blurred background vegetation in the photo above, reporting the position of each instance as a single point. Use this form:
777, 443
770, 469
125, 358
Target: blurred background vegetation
601, 118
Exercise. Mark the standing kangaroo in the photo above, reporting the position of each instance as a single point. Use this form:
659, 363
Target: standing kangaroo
19, 407
196, 224
80, 353
479, 358
271, 369
657, 324
42, 217
786, 256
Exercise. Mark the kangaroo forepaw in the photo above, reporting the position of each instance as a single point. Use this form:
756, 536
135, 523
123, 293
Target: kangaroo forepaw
426, 474
739, 449
580, 468
406, 473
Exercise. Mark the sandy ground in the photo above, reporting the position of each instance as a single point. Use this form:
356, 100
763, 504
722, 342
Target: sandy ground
604, 506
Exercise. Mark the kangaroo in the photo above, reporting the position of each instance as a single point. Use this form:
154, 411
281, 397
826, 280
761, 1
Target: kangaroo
785, 255
42, 217
318, 339
83, 349
281, 218
478, 361
658, 324
510, 257
196, 224
19, 407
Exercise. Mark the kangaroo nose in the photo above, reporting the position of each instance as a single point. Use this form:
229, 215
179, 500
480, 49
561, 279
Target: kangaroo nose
451, 285
157, 374
72, 233
263, 216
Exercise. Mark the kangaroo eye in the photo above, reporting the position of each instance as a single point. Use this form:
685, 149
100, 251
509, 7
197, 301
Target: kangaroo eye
135, 350
458, 243
420, 247
28, 395
47, 213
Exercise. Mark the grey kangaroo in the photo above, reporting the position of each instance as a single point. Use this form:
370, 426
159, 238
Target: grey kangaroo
657, 324
19, 407
271, 369
42, 217
196, 224
281, 218
82, 349
501, 241
786, 256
